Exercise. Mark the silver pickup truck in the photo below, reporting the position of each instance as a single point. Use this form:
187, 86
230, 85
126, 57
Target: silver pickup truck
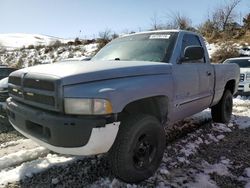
120, 100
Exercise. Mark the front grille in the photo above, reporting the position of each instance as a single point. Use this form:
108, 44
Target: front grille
15, 80
3, 96
242, 77
39, 84
16, 92
43, 99
35, 90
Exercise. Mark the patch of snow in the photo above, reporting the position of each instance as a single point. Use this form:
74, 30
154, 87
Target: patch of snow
202, 180
90, 48
247, 185
22, 156
32, 167
54, 181
243, 122
16, 146
247, 172
241, 110
213, 138
220, 137
246, 178
219, 168
204, 115
222, 128
211, 48
191, 147
164, 172
12, 143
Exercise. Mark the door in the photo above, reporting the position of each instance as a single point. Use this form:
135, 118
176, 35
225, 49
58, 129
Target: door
206, 83
193, 82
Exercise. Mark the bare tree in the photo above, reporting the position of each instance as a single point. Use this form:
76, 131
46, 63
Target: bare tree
105, 35
179, 21
225, 15
155, 23
246, 22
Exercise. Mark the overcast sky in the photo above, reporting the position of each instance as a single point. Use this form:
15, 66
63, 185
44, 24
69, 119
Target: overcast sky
86, 18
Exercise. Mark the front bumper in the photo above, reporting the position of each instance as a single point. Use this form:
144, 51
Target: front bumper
65, 134
243, 88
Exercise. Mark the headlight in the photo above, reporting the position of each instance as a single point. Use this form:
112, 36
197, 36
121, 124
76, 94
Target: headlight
87, 106
248, 76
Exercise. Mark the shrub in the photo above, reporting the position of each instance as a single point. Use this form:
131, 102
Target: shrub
246, 22
70, 43
31, 46
226, 50
3, 50
48, 49
77, 41
57, 44
89, 41
19, 64
101, 44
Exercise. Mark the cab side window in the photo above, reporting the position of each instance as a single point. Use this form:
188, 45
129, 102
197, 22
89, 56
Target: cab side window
190, 40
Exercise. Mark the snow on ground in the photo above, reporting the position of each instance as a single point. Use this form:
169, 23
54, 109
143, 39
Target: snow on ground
15, 146
243, 50
21, 156
27, 169
211, 48
242, 112
44, 55
19, 40
90, 49
40, 49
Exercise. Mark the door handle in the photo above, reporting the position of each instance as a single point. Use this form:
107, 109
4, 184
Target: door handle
209, 73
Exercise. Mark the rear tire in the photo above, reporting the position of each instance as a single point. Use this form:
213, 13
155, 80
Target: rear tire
222, 111
138, 148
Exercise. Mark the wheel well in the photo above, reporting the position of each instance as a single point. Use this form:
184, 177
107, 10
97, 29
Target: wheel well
156, 106
230, 86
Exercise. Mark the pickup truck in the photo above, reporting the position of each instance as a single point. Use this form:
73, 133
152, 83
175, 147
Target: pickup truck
122, 99
244, 64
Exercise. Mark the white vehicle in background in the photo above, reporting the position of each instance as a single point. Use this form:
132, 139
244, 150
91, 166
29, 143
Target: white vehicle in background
245, 51
244, 64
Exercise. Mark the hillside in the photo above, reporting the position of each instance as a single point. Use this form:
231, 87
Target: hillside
23, 50
19, 40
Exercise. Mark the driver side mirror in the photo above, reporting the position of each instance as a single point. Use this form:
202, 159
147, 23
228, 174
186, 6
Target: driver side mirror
193, 53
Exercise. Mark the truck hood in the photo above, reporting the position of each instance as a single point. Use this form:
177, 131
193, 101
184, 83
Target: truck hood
87, 71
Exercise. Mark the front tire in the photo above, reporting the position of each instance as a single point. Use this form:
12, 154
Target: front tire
138, 148
222, 111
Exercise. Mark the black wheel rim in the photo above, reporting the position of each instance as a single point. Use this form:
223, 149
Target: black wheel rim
144, 152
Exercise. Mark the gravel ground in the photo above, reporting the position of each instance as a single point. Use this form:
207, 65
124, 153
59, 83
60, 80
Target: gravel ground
7, 132
178, 169
199, 153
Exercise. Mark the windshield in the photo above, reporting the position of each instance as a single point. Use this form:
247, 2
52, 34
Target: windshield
243, 63
140, 47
